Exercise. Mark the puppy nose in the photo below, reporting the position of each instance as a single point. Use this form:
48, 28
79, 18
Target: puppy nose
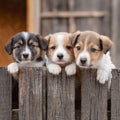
60, 56
83, 60
25, 55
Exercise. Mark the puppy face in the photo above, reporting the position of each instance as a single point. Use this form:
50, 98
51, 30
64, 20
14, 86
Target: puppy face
26, 47
89, 48
60, 49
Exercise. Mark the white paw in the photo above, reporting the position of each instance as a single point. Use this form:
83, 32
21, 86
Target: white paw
70, 69
13, 68
54, 69
102, 76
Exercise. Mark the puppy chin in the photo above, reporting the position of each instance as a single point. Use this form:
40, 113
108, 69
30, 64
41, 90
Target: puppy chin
62, 63
85, 65
25, 61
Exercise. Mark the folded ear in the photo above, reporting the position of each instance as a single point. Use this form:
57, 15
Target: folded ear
8, 47
48, 37
106, 43
74, 37
42, 42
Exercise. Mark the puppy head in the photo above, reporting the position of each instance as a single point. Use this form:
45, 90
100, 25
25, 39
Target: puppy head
89, 47
60, 49
25, 47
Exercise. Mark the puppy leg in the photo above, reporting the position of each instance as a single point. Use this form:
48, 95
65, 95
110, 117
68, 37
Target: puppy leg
13, 69
105, 74
70, 69
102, 75
104, 68
54, 68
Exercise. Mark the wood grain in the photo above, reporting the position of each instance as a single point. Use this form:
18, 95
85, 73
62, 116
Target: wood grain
115, 19
5, 95
115, 96
60, 97
93, 97
31, 94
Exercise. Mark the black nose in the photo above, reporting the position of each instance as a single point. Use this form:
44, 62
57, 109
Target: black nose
25, 55
83, 60
60, 56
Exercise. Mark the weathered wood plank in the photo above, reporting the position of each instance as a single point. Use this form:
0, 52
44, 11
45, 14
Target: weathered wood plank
60, 97
31, 94
115, 95
75, 14
115, 31
5, 95
93, 97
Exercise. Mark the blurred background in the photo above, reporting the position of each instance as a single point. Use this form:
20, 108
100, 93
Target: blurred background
49, 16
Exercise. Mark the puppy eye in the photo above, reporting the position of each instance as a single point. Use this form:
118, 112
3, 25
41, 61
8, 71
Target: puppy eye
53, 47
69, 47
93, 50
18, 46
32, 45
78, 48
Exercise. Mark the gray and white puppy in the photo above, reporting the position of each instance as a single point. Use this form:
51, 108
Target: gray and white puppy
26, 49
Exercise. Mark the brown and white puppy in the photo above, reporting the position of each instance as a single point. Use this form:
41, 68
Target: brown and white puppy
92, 50
26, 49
60, 54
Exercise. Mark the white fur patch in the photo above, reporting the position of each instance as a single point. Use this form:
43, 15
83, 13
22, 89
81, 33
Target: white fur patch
26, 35
59, 38
70, 69
54, 68
83, 54
13, 68
27, 51
104, 67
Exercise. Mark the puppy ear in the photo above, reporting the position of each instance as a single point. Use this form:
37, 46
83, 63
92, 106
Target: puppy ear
74, 37
42, 42
48, 37
8, 47
106, 43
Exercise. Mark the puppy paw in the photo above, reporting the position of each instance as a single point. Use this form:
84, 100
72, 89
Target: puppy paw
13, 68
70, 69
102, 76
54, 69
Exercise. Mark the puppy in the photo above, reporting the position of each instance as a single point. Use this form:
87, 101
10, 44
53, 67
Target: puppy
92, 51
26, 49
60, 53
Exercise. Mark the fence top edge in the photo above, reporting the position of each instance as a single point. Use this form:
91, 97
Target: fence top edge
44, 68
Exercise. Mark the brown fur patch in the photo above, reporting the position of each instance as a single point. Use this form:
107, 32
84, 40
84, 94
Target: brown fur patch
38, 50
94, 51
78, 48
51, 45
68, 46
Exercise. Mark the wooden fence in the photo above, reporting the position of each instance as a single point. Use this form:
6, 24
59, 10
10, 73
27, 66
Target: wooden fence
43, 96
